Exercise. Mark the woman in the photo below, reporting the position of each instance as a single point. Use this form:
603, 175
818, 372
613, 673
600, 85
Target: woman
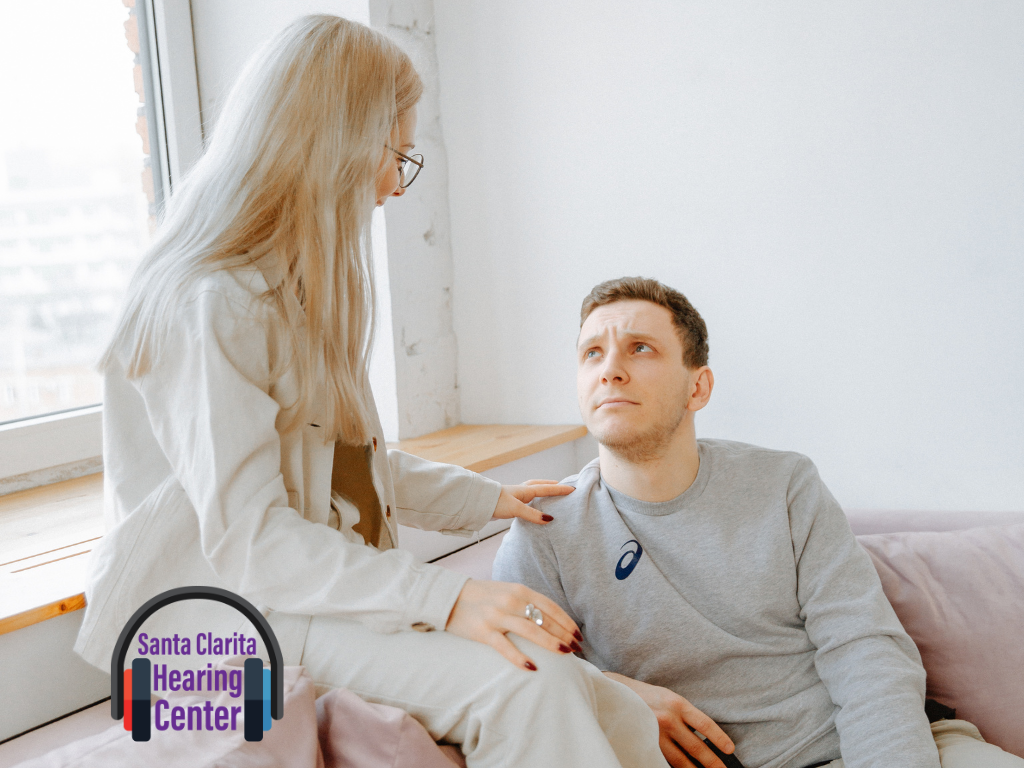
242, 447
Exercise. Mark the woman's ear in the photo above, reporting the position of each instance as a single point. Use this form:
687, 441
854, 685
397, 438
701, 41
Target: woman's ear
701, 383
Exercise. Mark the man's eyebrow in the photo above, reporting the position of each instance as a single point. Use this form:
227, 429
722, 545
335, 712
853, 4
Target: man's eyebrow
628, 334
410, 146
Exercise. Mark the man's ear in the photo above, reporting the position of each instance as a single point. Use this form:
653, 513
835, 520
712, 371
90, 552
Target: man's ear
702, 381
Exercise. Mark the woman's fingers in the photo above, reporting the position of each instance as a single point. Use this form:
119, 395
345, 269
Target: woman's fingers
513, 500
519, 597
540, 482
527, 630
546, 488
529, 514
504, 646
556, 620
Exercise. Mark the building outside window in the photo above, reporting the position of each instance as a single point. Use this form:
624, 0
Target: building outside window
77, 194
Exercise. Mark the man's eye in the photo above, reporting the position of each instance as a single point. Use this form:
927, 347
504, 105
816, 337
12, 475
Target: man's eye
590, 353
641, 348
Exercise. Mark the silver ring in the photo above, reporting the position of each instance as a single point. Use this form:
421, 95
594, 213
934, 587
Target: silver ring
533, 614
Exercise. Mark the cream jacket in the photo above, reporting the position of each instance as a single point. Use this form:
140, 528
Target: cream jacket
204, 486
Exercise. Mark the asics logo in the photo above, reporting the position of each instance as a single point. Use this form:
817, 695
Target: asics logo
628, 560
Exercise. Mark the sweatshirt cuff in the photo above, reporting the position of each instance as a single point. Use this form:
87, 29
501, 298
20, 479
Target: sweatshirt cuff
438, 589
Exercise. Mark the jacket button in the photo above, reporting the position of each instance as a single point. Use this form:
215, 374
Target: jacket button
423, 626
375, 443
389, 510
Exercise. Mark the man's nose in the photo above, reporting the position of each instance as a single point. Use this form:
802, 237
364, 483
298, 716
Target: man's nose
614, 370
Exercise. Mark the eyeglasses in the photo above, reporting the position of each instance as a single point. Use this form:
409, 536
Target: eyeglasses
409, 169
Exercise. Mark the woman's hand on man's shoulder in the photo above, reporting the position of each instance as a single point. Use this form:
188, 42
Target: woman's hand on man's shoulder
515, 499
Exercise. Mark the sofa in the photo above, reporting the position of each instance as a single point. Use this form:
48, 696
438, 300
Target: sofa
956, 581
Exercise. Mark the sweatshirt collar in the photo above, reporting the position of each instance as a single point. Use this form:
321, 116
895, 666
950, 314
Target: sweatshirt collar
625, 503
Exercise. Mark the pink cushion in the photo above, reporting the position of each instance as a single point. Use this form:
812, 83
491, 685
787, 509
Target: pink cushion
357, 734
960, 596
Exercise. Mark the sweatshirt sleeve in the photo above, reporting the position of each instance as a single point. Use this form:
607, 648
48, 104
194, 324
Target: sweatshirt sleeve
441, 497
208, 400
868, 663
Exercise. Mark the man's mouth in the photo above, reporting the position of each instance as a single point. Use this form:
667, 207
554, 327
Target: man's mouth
615, 402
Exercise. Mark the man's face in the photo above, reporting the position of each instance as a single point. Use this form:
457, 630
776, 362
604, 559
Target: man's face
632, 384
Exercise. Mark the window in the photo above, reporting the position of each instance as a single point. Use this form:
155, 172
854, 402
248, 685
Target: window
71, 143
101, 113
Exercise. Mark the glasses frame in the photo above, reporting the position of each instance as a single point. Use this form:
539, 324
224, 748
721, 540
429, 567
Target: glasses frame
401, 171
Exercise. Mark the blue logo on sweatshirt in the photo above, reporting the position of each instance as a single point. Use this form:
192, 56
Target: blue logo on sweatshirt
624, 568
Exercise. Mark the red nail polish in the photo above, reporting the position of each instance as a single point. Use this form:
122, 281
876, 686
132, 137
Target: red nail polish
565, 648
546, 518
578, 635
576, 647
529, 666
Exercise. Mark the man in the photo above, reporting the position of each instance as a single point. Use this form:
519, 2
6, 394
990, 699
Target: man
717, 579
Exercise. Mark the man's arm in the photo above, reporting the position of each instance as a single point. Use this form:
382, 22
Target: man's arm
677, 720
526, 556
868, 663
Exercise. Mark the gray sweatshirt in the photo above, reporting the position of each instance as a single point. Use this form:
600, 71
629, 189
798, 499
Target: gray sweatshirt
748, 595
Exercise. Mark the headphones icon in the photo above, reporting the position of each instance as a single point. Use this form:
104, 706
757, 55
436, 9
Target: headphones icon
264, 688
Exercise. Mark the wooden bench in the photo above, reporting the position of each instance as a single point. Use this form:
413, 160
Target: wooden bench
44, 532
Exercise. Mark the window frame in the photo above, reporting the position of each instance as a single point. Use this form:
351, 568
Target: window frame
58, 446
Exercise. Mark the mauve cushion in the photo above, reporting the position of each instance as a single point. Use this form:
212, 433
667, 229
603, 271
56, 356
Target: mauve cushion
960, 596
357, 734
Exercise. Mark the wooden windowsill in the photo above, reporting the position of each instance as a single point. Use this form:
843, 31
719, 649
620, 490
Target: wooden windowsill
480, 447
44, 532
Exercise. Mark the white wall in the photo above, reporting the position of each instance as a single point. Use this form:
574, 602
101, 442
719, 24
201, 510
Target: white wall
836, 186
226, 33
424, 347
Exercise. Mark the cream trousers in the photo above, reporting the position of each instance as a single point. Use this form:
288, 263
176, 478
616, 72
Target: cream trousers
961, 746
563, 715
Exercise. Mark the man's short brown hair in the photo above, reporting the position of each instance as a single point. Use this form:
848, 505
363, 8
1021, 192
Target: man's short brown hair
689, 324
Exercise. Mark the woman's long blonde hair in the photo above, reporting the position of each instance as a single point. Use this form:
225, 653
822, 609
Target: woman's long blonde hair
291, 170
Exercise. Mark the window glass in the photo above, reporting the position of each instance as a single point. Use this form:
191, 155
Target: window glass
76, 194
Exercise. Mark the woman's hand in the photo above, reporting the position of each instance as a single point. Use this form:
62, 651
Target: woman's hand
674, 714
514, 500
487, 610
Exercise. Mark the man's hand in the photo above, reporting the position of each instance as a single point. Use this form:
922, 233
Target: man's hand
514, 500
674, 713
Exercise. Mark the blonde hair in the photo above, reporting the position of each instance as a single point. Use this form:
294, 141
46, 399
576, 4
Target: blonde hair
291, 170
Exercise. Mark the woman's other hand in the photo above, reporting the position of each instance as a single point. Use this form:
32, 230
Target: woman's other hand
487, 610
514, 500
676, 717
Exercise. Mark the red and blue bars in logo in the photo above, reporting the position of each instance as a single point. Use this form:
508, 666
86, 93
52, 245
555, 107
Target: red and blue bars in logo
137, 690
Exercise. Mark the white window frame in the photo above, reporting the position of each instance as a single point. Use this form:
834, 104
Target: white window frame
69, 444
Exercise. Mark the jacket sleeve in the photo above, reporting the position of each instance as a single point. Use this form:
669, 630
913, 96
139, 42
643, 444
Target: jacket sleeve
208, 402
441, 497
868, 663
